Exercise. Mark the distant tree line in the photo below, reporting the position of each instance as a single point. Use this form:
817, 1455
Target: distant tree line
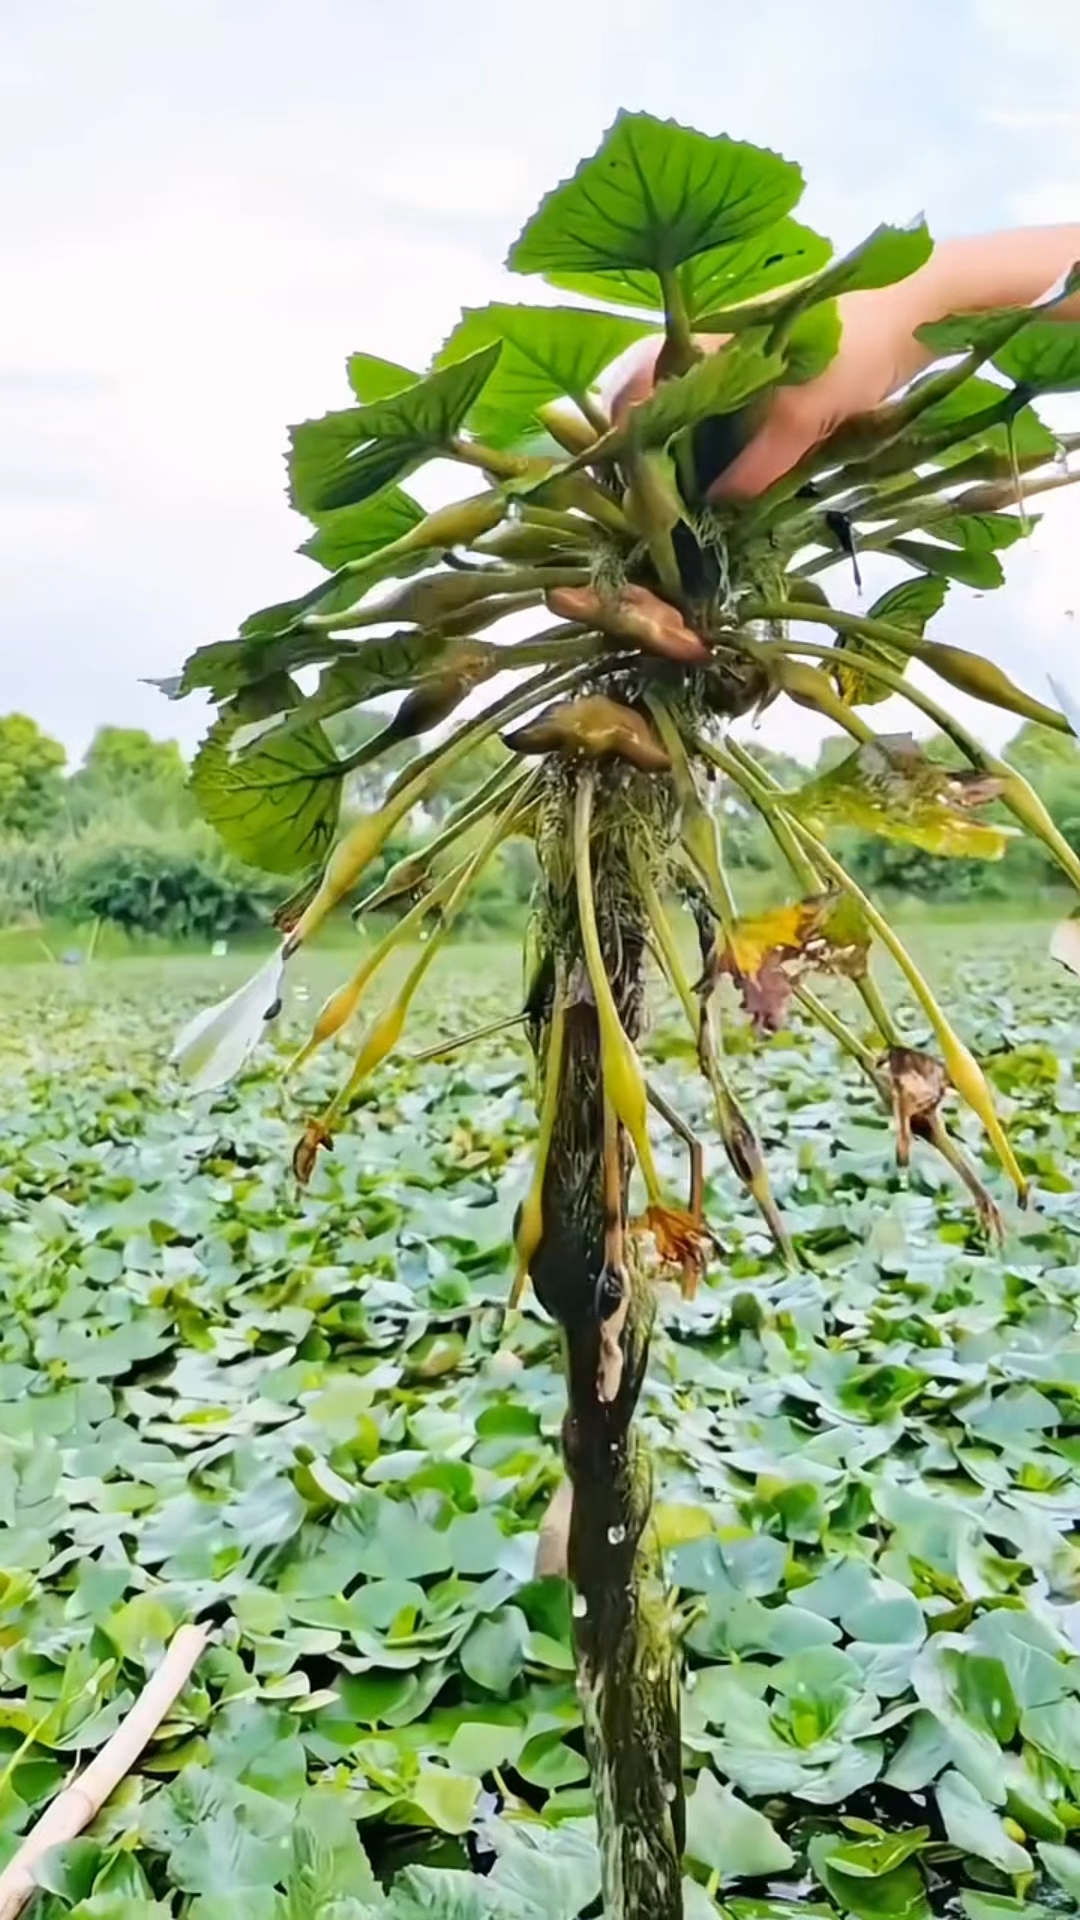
118, 838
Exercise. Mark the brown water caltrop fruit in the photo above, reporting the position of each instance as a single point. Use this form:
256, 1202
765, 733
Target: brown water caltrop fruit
633, 618
593, 728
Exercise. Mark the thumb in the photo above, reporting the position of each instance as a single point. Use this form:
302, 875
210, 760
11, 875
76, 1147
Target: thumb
788, 433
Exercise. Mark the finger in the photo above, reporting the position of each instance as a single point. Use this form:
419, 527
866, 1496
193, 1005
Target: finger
630, 378
879, 352
1011, 269
777, 447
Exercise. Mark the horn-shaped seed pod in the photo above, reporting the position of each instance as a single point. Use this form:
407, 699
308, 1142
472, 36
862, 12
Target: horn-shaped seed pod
433, 700
810, 687
983, 680
437, 599
621, 1071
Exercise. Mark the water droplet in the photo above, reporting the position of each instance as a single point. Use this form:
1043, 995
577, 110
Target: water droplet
691, 1681
670, 1792
616, 1536
580, 1607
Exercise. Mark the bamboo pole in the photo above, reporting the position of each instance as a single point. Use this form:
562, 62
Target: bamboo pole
73, 1809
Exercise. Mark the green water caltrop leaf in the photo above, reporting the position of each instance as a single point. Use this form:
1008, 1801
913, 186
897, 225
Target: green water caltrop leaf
547, 353
811, 342
885, 256
712, 281
898, 1895
869, 1859
731, 1838
719, 384
494, 1653
888, 254
981, 532
986, 333
653, 195
887, 786
276, 806
976, 1827
1063, 1866
369, 670
355, 533
960, 411
373, 378
349, 457
968, 565
1044, 357
910, 605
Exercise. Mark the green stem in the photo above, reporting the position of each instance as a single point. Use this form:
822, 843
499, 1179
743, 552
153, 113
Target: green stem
412, 871
593, 411
1018, 794
697, 827
555, 520
496, 461
740, 1141
878, 446
998, 691
662, 555
879, 1013
385, 1031
445, 1049
423, 773
742, 769
766, 794
960, 1063
627, 1660
493, 584
949, 506
573, 643
843, 1035
679, 352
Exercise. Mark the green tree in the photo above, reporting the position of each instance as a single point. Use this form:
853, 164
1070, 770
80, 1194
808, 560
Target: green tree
1052, 763
31, 776
126, 759
125, 770
664, 618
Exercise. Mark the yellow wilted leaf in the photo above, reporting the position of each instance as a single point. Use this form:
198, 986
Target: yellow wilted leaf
677, 1524
768, 952
888, 786
781, 927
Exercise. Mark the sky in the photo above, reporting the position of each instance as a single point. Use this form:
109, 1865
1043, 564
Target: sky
206, 206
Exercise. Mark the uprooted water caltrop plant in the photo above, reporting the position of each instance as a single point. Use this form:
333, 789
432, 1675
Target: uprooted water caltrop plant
661, 616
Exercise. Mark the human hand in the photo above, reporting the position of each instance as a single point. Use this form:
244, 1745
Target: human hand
878, 351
